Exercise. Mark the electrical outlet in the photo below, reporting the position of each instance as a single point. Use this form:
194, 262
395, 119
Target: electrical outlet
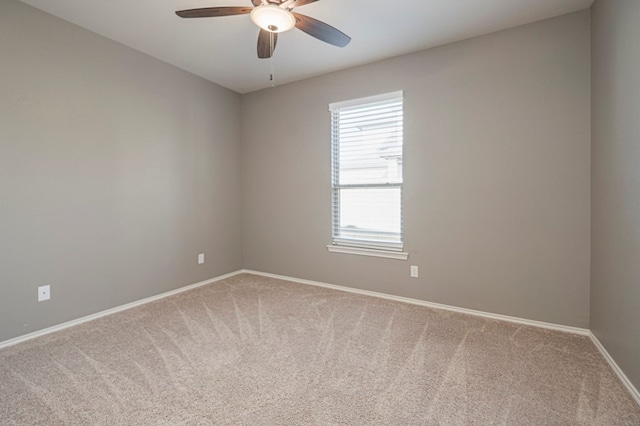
414, 271
44, 293
200, 258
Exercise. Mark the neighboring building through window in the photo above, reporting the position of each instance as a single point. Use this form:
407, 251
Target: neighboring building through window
367, 172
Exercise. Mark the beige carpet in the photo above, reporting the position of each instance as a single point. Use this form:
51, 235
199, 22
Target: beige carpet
253, 350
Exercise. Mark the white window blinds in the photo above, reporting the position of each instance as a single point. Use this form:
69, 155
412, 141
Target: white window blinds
367, 172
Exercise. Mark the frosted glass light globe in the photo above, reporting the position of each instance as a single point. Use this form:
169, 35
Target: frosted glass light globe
273, 18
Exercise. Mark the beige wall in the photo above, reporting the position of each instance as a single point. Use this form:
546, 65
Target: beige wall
615, 182
497, 153
116, 170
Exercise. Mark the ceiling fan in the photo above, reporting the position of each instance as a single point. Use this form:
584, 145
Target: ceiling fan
273, 17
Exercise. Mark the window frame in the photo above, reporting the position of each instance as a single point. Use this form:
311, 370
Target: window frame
340, 244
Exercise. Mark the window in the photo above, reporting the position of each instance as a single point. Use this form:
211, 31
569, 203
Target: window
366, 139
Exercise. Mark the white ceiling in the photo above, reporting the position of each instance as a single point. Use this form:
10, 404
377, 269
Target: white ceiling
223, 49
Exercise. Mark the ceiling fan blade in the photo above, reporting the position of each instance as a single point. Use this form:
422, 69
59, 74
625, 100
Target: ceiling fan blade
265, 48
209, 12
299, 3
321, 31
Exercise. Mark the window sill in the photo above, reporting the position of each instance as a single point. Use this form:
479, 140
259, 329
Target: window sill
399, 255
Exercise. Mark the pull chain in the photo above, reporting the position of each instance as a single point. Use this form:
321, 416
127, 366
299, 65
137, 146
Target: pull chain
273, 71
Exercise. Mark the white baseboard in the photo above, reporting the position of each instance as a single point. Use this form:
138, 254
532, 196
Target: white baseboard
563, 328
91, 317
522, 321
623, 377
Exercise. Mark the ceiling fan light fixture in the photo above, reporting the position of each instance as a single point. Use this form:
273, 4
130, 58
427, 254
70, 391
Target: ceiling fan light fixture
273, 18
